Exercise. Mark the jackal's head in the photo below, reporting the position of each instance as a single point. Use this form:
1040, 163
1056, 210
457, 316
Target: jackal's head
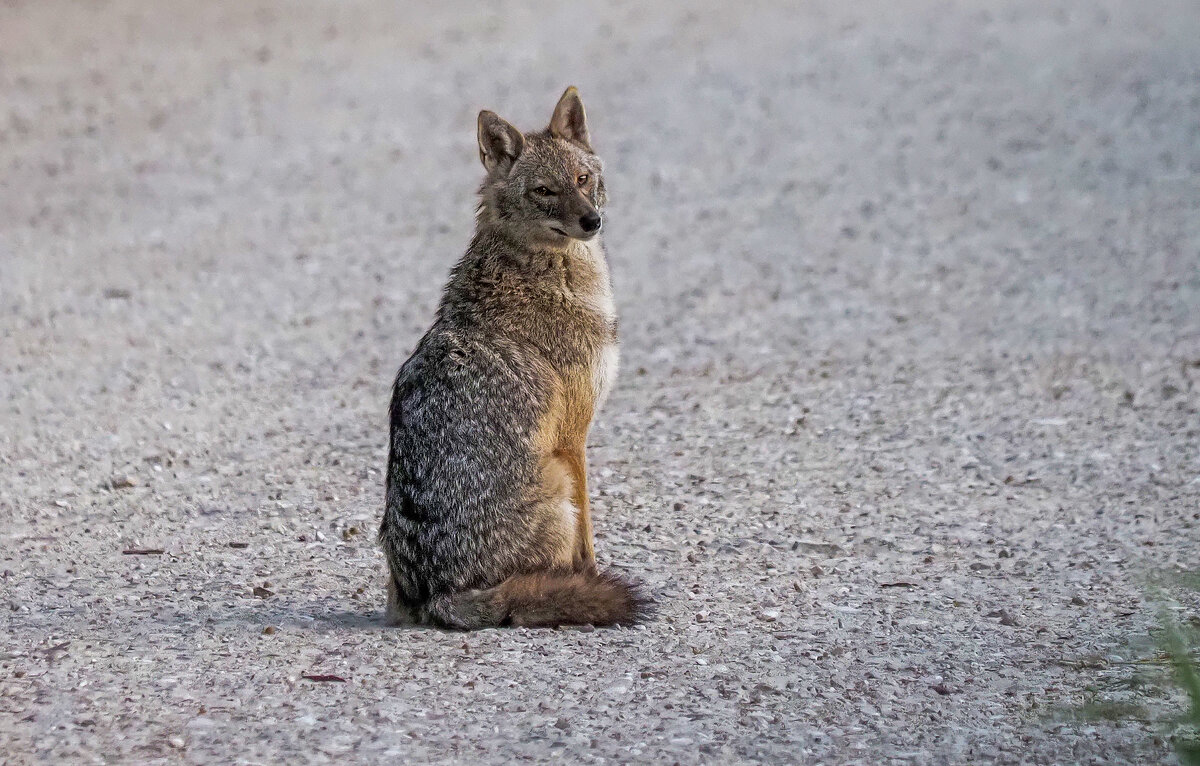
546, 187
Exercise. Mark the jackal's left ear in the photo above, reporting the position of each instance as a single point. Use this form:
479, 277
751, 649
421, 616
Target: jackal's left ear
569, 121
500, 144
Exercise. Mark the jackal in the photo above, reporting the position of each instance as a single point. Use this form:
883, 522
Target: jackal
487, 520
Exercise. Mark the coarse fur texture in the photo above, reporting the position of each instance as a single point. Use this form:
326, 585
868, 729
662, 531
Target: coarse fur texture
487, 520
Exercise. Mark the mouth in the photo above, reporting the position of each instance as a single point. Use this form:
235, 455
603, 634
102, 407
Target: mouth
584, 237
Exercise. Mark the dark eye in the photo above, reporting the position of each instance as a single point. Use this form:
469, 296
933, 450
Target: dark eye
543, 191
583, 179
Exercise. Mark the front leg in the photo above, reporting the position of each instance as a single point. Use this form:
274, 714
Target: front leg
585, 552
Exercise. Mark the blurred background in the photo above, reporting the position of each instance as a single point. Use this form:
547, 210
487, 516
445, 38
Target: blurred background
905, 288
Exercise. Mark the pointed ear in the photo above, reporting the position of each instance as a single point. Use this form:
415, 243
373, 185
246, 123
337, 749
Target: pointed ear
569, 121
500, 144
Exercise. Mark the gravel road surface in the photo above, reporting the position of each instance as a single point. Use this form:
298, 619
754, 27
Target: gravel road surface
909, 406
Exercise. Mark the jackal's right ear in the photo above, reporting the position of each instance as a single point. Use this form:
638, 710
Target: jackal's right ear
500, 144
570, 121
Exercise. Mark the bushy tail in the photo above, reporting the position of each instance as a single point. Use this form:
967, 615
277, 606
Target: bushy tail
542, 600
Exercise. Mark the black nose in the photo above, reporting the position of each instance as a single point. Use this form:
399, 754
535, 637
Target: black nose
590, 222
